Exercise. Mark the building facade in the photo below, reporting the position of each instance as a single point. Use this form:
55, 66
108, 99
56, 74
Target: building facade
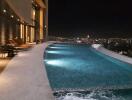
23, 20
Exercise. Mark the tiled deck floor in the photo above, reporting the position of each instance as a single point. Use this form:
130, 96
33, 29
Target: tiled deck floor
3, 63
25, 77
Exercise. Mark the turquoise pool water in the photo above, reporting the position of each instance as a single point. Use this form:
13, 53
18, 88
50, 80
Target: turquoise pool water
78, 67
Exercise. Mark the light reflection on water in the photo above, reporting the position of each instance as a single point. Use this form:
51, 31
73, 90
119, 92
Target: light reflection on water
59, 52
77, 66
54, 47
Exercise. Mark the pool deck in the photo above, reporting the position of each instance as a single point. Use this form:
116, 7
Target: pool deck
25, 77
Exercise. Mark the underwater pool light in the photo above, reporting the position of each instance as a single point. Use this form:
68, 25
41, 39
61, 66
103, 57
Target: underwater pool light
55, 62
59, 52
54, 52
55, 47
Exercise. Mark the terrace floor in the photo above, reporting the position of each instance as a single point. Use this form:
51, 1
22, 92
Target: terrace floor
25, 77
3, 63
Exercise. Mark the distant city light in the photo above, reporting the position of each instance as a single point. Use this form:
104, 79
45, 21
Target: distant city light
77, 38
96, 46
88, 36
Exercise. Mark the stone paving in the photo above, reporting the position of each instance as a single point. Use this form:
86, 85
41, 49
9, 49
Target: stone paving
3, 63
25, 77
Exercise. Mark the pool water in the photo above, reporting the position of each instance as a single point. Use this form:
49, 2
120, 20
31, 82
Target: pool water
78, 67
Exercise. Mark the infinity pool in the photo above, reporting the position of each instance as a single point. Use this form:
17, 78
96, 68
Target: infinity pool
78, 67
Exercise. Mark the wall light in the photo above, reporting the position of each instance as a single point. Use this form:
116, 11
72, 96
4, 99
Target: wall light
4, 11
18, 20
12, 16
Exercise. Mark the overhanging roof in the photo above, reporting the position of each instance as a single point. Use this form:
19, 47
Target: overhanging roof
41, 3
22, 8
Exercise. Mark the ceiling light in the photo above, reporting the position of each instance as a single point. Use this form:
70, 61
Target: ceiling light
4, 11
18, 20
12, 16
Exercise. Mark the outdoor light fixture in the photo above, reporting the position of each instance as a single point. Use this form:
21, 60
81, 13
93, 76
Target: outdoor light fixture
64, 63
36, 5
22, 22
12, 16
88, 36
18, 20
3, 55
4, 11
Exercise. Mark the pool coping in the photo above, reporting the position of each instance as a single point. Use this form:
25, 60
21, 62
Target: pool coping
113, 54
25, 77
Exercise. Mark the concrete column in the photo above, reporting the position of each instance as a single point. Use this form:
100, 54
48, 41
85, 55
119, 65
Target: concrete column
24, 37
37, 25
46, 21
10, 32
32, 34
22, 32
26, 34
18, 31
41, 24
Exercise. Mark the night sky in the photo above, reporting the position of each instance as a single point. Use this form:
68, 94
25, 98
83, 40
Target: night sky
101, 17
